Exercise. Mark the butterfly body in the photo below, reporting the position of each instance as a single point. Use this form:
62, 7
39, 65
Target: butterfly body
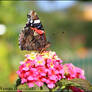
32, 37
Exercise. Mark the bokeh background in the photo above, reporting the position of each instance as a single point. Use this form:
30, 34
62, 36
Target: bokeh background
68, 26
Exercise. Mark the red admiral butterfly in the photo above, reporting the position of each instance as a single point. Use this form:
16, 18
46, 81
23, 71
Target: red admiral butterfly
32, 37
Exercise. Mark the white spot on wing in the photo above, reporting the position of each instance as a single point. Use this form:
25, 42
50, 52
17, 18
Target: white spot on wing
31, 21
36, 21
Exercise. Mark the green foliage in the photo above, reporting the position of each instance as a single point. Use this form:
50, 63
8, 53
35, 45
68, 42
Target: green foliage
80, 83
84, 84
65, 84
18, 82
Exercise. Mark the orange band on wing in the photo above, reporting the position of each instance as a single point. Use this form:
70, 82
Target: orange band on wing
37, 30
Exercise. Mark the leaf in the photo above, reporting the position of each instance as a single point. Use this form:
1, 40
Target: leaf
41, 88
63, 87
84, 84
18, 82
66, 83
80, 83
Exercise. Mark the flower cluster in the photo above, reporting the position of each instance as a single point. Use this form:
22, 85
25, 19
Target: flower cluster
72, 72
46, 68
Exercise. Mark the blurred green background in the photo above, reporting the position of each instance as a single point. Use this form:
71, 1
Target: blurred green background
68, 27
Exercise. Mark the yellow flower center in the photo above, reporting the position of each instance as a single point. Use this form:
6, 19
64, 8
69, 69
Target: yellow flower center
32, 57
28, 64
25, 60
39, 62
45, 55
51, 64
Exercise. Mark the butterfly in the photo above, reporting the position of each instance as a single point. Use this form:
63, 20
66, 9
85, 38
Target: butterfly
32, 36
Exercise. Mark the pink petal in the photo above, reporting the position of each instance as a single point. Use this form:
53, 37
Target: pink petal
30, 85
23, 80
51, 85
53, 77
30, 78
22, 62
43, 74
26, 68
39, 83
18, 72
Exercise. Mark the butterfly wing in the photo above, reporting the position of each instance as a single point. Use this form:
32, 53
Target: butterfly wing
32, 37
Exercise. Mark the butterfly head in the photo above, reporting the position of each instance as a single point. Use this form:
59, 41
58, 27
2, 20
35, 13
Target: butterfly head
32, 15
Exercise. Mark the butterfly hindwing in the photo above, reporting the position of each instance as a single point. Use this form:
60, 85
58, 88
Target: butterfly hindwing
32, 37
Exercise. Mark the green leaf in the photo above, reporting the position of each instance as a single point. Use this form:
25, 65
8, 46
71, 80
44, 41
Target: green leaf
65, 82
18, 82
41, 88
84, 84
80, 83
63, 87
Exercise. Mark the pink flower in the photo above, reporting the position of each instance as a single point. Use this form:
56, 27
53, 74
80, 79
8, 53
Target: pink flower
39, 83
72, 72
26, 68
51, 85
46, 68
23, 80
30, 85
39, 60
30, 78
41, 70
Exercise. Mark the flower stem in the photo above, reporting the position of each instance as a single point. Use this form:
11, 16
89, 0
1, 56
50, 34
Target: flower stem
50, 90
41, 88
